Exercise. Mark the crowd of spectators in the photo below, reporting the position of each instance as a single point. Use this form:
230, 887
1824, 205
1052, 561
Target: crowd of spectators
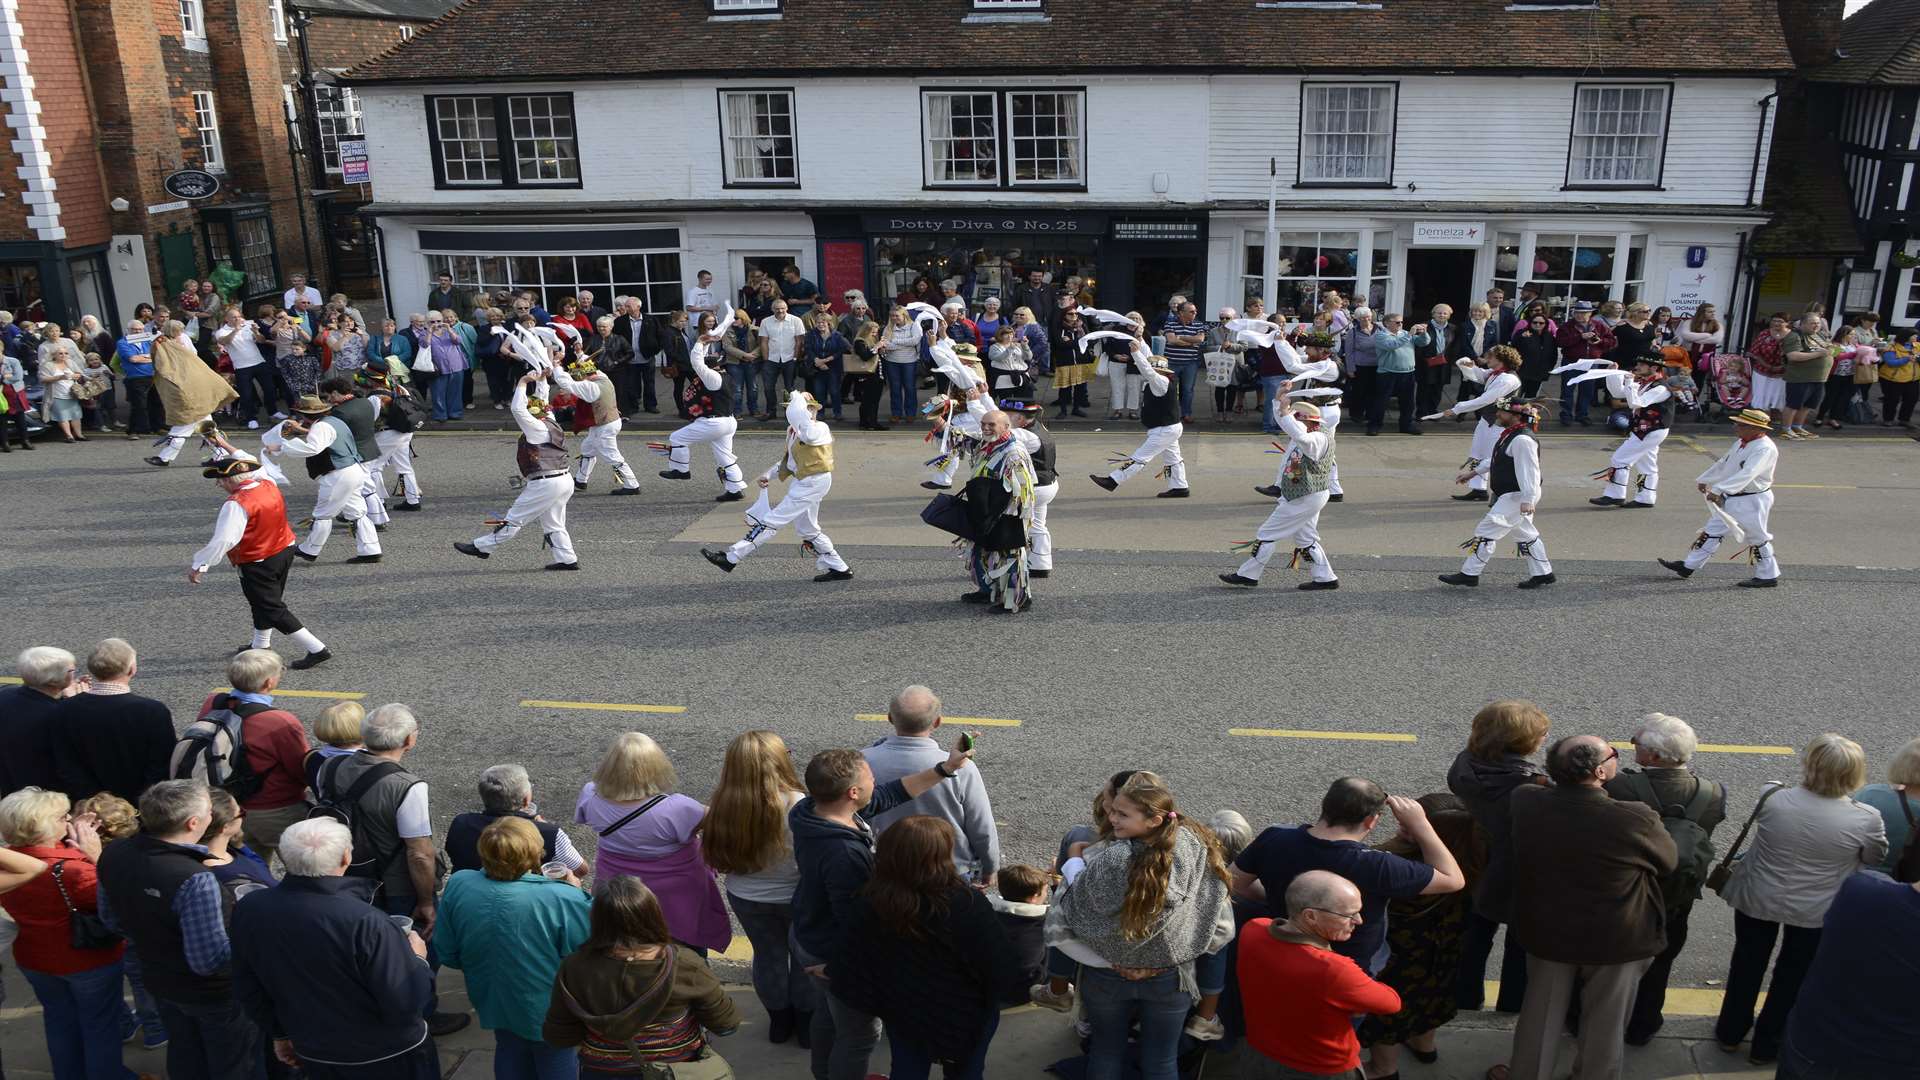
181, 860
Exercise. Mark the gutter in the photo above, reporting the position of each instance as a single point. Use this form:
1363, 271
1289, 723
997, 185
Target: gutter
1759, 139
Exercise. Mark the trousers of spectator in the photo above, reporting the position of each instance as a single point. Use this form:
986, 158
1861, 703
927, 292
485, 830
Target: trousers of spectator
1397, 385
1072, 397
1641, 454
1528, 388
1576, 400
1113, 1005
745, 384
1485, 438
1796, 1064
1504, 519
603, 441
1837, 403
140, 400
1897, 399
177, 437
212, 1042
466, 388
1296, 521
543, 500
420, 1063
801, 508
1039, 537
1160, 440
255, 385
423, 382
1750, 512
1606, 993
143, 1011
1477, 946
1362, 384
843, 1038
867, 390
778, 379
1269, 400
1430, 383
517, 1058
649, 397
716, 433
1124, 384
1752, 947
1257, 1066
261, 828
824, 385
1187, 374
627, 385
499, 373
449, 395
779, 980
339, 494
82, 1015
680, 394
912, 1060
903, 398
1651, 997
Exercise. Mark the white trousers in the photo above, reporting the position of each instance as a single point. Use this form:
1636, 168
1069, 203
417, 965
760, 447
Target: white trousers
1769, 392
1504, 518
1297, 520
604, 442
1039, 537
396, 450
1485, 435
338, 495
800, 508
1160, 440
1750, 512
1125, 383
544, 501
717, 433
177, 437
1640, 454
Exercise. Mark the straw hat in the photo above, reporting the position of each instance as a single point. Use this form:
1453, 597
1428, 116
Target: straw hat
1754, 418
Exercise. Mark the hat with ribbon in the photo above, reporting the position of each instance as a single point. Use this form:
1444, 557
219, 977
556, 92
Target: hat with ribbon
311, 405
1021, 405
1754, 418
234, 465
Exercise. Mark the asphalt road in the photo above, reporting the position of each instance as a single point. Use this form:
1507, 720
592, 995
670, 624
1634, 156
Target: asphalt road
1133, 656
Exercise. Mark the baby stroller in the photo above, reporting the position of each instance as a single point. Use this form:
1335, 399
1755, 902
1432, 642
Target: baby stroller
1729, 379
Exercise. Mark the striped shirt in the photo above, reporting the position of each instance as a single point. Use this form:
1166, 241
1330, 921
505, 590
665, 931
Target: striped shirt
1189, 354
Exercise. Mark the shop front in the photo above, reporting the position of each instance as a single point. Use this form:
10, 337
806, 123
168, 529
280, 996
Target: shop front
43, 281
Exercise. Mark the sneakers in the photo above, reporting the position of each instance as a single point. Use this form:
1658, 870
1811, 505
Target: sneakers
1042, 995
1791, 435
153, 1038
253, 425
1205, 1028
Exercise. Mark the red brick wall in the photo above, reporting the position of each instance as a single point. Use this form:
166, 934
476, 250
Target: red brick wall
54, 62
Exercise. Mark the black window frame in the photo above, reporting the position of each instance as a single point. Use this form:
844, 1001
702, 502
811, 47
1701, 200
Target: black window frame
793, 114
769, 7
1300, 139
227, 219
509, 158
1666, 137
1003, 139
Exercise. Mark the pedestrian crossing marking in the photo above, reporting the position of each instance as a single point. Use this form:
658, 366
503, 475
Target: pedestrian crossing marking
331, 695
964, 721
1727, 748
604, 706
1351, 736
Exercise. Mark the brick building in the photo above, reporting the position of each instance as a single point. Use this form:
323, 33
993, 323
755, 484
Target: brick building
104, 99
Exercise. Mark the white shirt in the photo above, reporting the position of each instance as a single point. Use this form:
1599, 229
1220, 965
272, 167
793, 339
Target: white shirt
780, 335
533, 427
1503, 385
1143, 363
243, 348
1744, 467
228, 528
310, 294
411, 820
700, 301
1312, 445
1526, 468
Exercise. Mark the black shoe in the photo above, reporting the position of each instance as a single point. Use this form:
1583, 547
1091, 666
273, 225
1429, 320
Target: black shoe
1039, 573
1082, 413
1636, 505
878, 427
1424, 1057
934, 486
468, 549
730, 496
1236, 579
650, 409
718, 558
299, 554
670, 474
1677, 567
834, 575
1107, 482
1471, 496
779, 1025
1641, 1038
1536, 581
1337, 496
1758, 583
1762, 1057
365, 558
1584, 422
1606, 500
156, 460
579, 485
312, 659
981, 597
1024, 605
1468, 580
1314, 586
1175, 493
624, 491
563, 566
407, 507
1411, 431
1373, 431
1271, 491
803, 1029
441, 1024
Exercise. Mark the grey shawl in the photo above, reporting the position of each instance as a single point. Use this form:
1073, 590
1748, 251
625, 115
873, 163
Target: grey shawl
1197, 918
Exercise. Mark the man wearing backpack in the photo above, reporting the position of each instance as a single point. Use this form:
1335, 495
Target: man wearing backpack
1690, 808
385, 806
263, 768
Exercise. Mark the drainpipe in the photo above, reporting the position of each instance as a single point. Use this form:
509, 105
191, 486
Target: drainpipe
1759, 142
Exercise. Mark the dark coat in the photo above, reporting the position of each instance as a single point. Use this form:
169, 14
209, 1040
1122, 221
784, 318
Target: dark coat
110, 742
834, 863
1591, 893
1485, 787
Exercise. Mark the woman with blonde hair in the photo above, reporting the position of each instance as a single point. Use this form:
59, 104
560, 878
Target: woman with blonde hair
1807, 839
746, 837
647, 830
1505, 737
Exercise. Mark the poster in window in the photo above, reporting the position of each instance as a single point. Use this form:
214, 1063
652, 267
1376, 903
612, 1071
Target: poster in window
1688, 289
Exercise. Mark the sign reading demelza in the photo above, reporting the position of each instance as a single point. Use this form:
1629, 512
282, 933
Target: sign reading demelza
353, 162
191, 184
1449, 233
986, 222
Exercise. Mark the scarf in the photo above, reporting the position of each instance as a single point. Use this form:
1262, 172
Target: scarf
1195, 920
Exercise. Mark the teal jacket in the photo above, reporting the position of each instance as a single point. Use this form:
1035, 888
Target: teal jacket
1396, 350
509, 937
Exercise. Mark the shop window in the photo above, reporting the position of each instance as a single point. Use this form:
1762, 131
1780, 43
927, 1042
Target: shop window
542, 150
20, 290
207, 124
1570, 268
244, 238
1309, 264
979, 266
1346, 133
758, 145
654, 276
1619, 136
336, 112
1041, 133
1506, 264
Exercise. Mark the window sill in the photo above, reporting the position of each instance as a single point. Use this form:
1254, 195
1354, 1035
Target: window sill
1552, 7
193, 43
1314, 5
757, 185
1611, 187
1028, 17
768, 16
1355, 185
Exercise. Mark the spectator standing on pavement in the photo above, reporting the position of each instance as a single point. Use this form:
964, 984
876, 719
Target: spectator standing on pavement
741, 346
507, 791
508, 926
701, 299
1856, 1017
298, 291
899, 359
352, 1005
1433, 361
26, 712
276, 746
822, 362
443, 295
451, 359
915, 715
801, 295
1583, 337
135, 353
252, 375
1538, 350
1393, 349
781, 335
1587, 907
1362, 360
1186, 334
1072, 370
1504, 737
1806, 841
1898, 801
1663, 747
108, 738
634, 386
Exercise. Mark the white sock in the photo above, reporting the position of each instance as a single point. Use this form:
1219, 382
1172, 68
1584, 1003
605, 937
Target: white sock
263, 639
304, 638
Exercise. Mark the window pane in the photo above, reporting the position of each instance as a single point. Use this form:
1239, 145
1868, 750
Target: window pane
1617, 134
962, 138
1256, 261
1553, 258
759, 136
629, 268
336, 112
525, 270
543, 139
1045, 137
1346, 133
469, 148
1593, 259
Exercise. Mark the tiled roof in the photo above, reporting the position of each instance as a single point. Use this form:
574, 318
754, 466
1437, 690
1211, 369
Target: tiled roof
510, 39
406, 10
1807, 191
1882, 43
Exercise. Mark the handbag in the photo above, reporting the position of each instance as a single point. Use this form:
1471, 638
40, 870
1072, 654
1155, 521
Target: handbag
423, 362
1907, 869
86, 929
1865, 374
1723, 873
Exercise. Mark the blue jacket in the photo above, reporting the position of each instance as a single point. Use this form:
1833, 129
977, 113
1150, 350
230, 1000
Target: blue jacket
835, 863
1393, 351
509, 937
136, 358
399, 345
315, 962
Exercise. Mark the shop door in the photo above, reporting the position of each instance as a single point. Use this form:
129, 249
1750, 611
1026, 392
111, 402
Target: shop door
1156, 278
1438, 276
177, 262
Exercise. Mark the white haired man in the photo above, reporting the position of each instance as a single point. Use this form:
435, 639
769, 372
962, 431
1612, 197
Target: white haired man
808, 463
356, 1001
46, 675
1663, 748
507, 791
1304, 474
546, 485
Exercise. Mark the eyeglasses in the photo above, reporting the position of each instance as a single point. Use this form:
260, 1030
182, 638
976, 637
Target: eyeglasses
1353, 918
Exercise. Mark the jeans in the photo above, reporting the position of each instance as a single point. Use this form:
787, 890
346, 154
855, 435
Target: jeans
212, 1042
449, 395
140, 400
1470, 991
1362, 384
911, 1061
745, 387
903, 400
82, 1014
825, 385
1399, 386
1575, 401
777, 372
256, 390
1752, 946
1188, 372
1113, 1003
1795, 1065
1269, 396
143, 1007
778, 979
843, 1039
1644, 1019
515, 1058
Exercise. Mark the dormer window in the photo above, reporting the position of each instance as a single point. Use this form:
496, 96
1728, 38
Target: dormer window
746, 7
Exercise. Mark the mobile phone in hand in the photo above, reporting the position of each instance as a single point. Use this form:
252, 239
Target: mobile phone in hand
966, 741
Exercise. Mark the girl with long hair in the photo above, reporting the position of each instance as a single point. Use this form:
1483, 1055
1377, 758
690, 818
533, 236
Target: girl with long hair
745, 836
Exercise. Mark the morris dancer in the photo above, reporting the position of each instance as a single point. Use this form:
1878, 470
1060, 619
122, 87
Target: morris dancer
189, 390
1739, 491
997, 560
1160, 413
1029, 428
1502, 381
251, 532
400, 416
334, 461
808, 462
1327, 398
585, 381
1512, 469
546, 486
1648, 399
710, 405
1304, 475
959, 365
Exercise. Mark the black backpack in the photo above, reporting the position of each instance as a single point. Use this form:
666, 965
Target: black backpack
1695, 846
368, 862
214, 749
403, 414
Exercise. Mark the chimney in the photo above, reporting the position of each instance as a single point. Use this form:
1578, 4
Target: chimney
1813, 29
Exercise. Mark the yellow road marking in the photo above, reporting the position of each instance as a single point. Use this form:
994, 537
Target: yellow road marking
1353, 736
14, 680
1729, 748
1681, 1001
332, 695
604, 706
963, 721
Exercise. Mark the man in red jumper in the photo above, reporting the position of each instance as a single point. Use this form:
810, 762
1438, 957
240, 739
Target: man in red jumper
252, 532
1300, 996
275, 796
